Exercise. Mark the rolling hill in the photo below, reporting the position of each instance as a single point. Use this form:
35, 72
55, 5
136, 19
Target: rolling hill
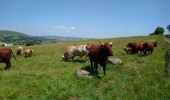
18, 38
22, 38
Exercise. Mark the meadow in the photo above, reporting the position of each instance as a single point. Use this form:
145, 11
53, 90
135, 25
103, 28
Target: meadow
44, 76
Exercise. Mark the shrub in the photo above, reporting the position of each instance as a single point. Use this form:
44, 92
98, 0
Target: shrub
158, 31
29, 43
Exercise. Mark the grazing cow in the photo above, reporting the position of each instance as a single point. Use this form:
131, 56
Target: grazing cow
98, 54
28, 52
149, 47
5, 56
128, 50
19, 50
136, 46
72, 51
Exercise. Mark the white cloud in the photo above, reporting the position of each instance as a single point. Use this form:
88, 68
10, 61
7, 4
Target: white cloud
64, 29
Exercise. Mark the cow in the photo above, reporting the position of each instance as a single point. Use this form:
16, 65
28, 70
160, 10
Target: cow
74, 50
149, 47
19, 50
5, 56
128, 50
28, 52
98, 54
136, 47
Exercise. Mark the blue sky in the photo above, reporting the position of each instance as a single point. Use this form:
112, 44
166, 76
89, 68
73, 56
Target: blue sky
84, 18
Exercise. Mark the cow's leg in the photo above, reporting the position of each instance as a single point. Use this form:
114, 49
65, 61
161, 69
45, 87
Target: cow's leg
151, 51
8, 65
96, 67
92, 69
104, 68
145, 52
25, 54
72, 58
133, 50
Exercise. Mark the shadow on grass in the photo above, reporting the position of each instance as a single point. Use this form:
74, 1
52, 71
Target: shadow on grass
138, 54
79, 61
74, 61
1, 69
88, 68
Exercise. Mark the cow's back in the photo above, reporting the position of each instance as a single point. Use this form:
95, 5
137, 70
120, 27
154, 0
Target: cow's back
93, 52
5, 54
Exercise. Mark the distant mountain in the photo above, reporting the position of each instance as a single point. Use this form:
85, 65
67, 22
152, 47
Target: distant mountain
18, 38
22, 38
63, 38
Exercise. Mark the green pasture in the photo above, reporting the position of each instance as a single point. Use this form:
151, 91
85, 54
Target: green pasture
45, 77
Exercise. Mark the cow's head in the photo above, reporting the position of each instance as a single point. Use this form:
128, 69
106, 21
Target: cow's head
106, 49
129, 45
65, 57
88, 46
109, 44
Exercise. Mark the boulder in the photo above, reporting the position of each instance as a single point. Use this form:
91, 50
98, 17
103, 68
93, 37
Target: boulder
83, 73
114, 60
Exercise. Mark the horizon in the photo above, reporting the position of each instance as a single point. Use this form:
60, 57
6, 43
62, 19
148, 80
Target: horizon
84, 18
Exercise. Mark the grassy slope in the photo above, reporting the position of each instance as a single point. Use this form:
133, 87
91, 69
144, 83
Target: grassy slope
44, 76
5, 33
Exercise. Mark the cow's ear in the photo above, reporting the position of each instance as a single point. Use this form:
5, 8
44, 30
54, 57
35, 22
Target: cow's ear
110, 43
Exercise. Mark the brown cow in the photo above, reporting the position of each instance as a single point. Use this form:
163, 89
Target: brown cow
136, 46
98, 54
149, 47
5, 56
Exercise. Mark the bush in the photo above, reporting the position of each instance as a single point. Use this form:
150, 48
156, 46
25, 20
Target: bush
29, 43
158, 31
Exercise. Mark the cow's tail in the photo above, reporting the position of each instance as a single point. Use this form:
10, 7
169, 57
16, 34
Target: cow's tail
14, 56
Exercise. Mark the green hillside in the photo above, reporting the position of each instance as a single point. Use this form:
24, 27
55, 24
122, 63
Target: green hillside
45, 77
6, 33
18, 38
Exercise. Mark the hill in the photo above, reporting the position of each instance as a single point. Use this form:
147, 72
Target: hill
18, 38
64, 38
22, 38
44, 76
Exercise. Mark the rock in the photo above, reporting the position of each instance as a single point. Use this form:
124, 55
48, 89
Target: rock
114, 60
83, 73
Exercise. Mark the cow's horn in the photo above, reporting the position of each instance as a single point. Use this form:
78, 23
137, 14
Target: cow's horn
101, 42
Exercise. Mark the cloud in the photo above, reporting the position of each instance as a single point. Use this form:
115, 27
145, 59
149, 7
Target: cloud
64, 29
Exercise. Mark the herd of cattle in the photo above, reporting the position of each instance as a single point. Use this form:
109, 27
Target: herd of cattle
96, 53
141, 47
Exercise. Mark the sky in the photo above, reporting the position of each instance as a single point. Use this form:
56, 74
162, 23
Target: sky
84, 18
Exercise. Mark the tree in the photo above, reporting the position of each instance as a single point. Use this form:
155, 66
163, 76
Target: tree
29, 43
168, 27
158, 31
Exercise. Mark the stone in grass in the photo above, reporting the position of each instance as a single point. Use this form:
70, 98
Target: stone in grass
114, 60
83, 73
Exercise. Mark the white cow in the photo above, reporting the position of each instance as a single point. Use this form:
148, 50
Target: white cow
72, 51
19, 50
28, 52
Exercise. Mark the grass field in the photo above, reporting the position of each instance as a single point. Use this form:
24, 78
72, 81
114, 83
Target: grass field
45, 76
